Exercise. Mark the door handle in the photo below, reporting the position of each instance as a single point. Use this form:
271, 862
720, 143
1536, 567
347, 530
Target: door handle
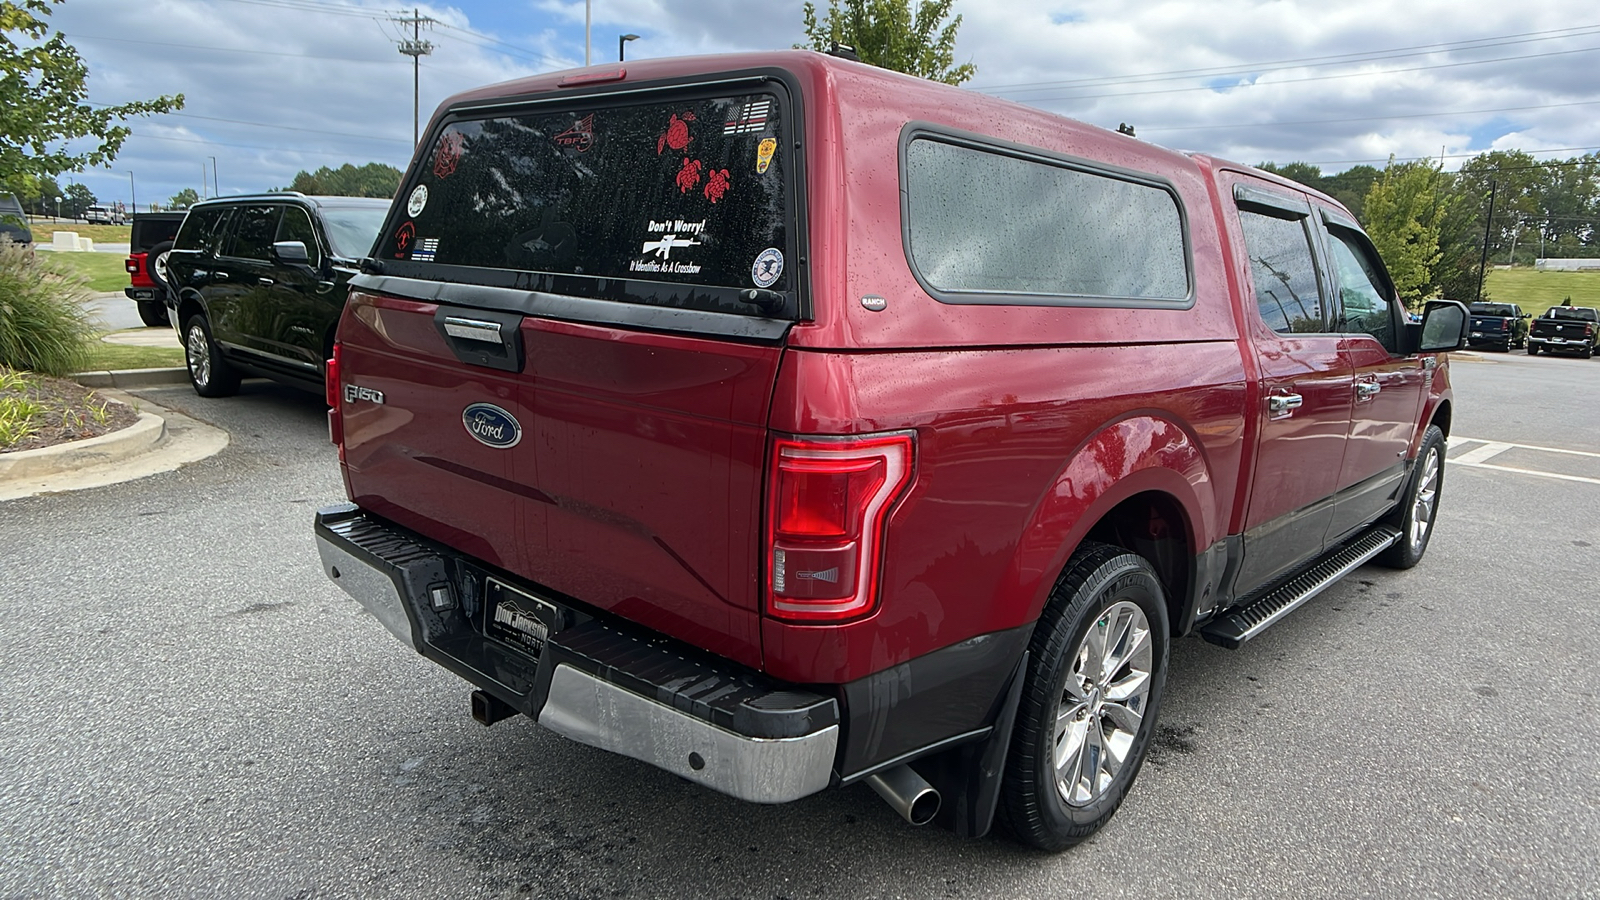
1283, 404
219, 276
267, 282
1366, 390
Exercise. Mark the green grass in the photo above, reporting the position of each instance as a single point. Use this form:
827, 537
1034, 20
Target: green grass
44, 231
104, 357
104, 270
1536, 292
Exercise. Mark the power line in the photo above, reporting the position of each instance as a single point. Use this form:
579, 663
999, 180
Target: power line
320, 131
1465, 112
1547, 164
229, 50
1303, 62
1476, 62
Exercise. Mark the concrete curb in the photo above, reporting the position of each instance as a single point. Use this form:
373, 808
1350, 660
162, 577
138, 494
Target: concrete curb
142, 435
132, 378
161, 441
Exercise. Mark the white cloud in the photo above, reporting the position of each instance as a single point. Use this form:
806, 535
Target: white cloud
339, 79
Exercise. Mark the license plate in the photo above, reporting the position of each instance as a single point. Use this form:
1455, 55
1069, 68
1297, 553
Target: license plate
519, 618
1477, 334
143, 294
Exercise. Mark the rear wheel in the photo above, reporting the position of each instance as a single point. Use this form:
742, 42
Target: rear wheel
1533, 349
152, 313
1419, 505
209, 372
1096, 667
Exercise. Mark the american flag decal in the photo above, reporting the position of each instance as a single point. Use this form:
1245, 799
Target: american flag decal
752, 118
425, 251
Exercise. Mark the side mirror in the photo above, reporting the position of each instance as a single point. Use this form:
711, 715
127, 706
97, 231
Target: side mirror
290, 253
1443, 328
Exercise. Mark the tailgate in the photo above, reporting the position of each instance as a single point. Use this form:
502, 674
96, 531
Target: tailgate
575, 319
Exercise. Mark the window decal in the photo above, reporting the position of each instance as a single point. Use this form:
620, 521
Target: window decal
717, 184
448, 155
579, 137
677, 134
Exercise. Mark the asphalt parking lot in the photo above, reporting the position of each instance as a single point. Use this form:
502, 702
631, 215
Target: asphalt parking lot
189, 708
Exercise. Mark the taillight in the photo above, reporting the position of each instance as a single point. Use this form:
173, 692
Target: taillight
132, 265
827, 501
330, 381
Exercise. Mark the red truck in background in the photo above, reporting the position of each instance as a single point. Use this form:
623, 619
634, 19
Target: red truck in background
788, 423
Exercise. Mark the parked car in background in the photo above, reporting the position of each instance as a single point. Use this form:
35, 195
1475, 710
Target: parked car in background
1566, 329
258, 284
14, 221
104, 215
789, 423
148, 245
1501, 325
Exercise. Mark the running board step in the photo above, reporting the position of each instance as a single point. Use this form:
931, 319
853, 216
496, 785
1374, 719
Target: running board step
1236, 627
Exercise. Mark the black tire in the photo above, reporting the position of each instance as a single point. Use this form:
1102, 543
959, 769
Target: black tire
153, 313
1419, 505
1101, 587
209, 372
1533, 349
155, 265
1586, 353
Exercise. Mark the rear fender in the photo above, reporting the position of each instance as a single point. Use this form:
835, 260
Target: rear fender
1139, 454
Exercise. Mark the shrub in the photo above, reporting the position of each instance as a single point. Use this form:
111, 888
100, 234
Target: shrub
43, 324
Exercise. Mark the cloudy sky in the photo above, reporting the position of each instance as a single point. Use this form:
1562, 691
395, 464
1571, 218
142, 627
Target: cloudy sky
276, 86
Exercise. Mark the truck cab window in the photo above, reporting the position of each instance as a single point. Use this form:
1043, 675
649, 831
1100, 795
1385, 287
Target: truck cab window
1364, 306
1284, 273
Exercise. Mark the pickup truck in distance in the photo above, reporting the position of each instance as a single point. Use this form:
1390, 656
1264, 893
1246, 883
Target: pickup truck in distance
794, 423
1502, 325
1568, 329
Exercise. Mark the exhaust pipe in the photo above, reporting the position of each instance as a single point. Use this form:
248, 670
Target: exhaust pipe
488, 709
909, 793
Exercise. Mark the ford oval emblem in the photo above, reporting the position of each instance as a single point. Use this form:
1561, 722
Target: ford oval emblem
491, 425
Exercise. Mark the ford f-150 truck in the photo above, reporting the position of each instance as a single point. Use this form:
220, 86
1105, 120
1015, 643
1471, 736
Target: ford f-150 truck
787, 423
1566, 329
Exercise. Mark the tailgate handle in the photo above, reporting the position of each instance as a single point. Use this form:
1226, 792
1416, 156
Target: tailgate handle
473, 330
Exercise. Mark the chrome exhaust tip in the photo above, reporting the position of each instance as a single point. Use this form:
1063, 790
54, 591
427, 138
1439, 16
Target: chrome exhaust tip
908, 793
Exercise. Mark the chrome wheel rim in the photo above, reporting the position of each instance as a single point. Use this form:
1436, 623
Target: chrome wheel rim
160, 267
1103, 703
198, 352
1426, 501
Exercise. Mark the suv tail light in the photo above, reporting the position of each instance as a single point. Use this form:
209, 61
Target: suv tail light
330, 383
131, 264
827, 502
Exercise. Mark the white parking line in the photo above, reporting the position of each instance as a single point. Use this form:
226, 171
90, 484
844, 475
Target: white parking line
1519, 445
1477, 458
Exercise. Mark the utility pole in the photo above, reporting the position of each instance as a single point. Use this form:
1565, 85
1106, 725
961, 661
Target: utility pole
587, 16
416, 48
132, 196
1483, 263
216, 183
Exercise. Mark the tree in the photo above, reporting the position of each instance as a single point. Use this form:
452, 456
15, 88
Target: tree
370, 180
885, 34
44, 83
184, 199
1404, 212
79, 198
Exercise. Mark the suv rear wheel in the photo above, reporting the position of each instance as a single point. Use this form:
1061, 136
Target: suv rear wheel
210, 374
1096, 667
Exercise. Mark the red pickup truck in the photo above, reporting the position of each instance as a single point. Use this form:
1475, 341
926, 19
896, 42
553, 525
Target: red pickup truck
787, 423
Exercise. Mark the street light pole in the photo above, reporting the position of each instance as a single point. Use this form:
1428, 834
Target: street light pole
587, 17
622, 41
134, 206
216, 183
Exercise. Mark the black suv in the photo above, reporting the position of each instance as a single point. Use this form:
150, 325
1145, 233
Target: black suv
258, 284
13, 221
